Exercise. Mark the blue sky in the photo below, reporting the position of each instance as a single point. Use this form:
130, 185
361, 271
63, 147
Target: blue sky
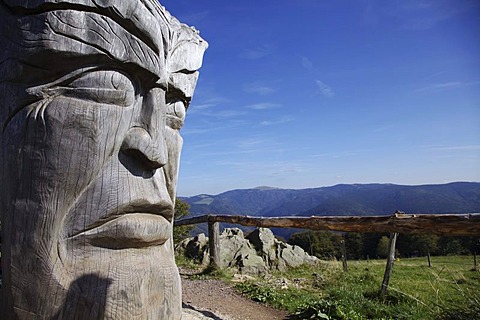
310, 93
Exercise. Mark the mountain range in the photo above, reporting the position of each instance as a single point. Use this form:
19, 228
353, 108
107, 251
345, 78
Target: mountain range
341, 200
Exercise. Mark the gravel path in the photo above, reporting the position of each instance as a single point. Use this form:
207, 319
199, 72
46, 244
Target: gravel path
216, 299
190, 314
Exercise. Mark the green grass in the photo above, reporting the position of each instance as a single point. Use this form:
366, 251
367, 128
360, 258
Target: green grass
447, 290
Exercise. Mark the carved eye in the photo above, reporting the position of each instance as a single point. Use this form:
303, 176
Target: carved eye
176, 112
179, 110
103, 86
177, 105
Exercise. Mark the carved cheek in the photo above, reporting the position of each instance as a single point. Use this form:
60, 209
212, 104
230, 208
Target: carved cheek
174, 144
82, 137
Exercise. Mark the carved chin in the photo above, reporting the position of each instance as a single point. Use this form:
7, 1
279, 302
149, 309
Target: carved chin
132, 283
142, 292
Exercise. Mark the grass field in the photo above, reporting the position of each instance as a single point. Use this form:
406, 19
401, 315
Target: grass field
450, 289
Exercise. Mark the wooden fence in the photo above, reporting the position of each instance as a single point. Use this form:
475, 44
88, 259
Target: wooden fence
441, 224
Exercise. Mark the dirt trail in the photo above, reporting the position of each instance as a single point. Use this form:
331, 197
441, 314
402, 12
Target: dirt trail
221, 299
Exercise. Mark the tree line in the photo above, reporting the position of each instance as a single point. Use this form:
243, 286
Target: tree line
327, 244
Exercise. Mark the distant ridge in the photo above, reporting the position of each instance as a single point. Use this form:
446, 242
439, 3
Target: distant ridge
342, 199
265, 188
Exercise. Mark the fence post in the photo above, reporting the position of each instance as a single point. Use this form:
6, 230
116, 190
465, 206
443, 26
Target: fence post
475, 260
389, 267
214, 244
344, 256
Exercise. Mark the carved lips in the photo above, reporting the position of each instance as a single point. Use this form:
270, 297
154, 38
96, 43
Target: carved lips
132, 226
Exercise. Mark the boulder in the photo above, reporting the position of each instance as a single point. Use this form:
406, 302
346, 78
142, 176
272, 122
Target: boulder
262, 239
237, 252
258, 253
277, 254
194, 248
264, 242
292, 256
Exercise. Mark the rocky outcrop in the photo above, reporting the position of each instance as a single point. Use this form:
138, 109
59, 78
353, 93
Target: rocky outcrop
195, 248
256, 253
237, 252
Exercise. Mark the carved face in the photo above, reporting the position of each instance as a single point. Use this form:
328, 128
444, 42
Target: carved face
91, 148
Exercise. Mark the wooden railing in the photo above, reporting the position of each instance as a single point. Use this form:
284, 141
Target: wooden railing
441, 224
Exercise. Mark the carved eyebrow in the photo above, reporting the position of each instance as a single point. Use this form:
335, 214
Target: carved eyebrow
69, 77
41, 91
174, 94
93, 37
141, 28
37, 93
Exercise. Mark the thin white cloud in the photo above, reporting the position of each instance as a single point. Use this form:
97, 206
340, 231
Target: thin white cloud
204, 104
260, 145
281, 168
281, 120
250, 143
263, 106
246, 151
224, 114
258, 52
446, 85
306, 63
259, 88
339, 154
195, 131
324, 89
426, 14
459, 153
434, 75
265, 167
212, 126
383, 128
286, 169
463, 148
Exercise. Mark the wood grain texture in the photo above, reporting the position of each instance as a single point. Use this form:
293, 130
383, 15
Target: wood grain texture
214, 244
93, 94
389, 267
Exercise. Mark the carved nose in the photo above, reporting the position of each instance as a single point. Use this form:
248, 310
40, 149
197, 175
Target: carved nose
139, 145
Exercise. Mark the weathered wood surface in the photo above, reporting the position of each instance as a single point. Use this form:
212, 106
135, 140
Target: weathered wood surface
214, 244
344, 256
92, 97
390, 262
440, 224
475, 266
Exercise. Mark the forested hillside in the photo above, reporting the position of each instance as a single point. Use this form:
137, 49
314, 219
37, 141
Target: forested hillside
343, 199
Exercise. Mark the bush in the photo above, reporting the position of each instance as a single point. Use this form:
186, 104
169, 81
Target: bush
182, 209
